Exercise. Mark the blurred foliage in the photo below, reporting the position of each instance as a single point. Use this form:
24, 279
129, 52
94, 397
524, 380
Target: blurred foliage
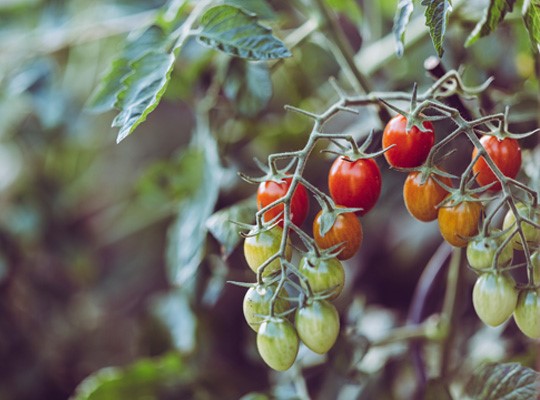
114, 258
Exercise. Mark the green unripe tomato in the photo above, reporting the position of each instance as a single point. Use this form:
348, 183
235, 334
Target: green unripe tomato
257, 303
494, 298
527, 313
277, 342
535, 259
481, 252
323, 274
318, 325
262, 246
532, 233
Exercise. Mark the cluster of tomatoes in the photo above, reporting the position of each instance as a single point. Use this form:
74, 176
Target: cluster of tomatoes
495, 296
354, 183
428, 195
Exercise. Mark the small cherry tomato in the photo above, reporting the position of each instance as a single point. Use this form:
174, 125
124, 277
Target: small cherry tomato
531, 232
411, 148
355, 184
420, 199
347, 229
323, 274
260, 247
318, 325
277, 342
481, 252
270, 191
257, 304
527, 313
459, 221
506, 154
494, 298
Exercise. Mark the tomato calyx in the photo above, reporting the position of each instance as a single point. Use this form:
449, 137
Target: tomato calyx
353, 152
328, 218
415, 118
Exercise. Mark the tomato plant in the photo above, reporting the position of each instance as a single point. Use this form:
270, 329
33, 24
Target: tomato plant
494, 298
527, 313
531, 232
422, 198
277, 342
458, 221
270, 191
259, 247
256, 304
355, 184
505, 153
346, 230
411, 148
481, 251
317, 324
323, 274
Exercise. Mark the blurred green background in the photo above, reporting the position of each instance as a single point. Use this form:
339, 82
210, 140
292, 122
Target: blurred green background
85, 224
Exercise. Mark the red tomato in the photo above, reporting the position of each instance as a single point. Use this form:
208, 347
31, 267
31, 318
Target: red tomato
355, 184
346, 229
458, 222
270, 191
420, 199
411, 148
506, 154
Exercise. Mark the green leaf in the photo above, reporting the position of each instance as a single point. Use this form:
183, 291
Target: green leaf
509, 381
187, 236
348, 7
248, 86
104, 97
493, 15
225, 231
143, 89
437, 12
401, 19
531, 18
236, 32
139, 381
259, 7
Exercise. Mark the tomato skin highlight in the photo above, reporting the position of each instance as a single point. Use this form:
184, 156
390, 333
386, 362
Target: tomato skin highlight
506, 154
318, 325
347, 229
270, 191
459, 222
420, 199
262, 246
411, 148
494, 298
527, 313
278, 343
257, 302
355, 184
323, 275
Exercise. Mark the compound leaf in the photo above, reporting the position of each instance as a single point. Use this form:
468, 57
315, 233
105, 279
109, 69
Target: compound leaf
509, 381
437, 12
401, 19
531, 18
493, 15
237, 32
